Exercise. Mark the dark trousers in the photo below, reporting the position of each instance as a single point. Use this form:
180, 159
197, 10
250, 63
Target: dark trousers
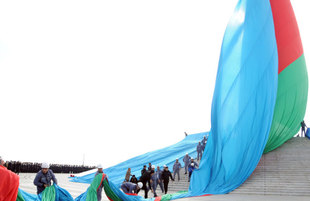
146, 190
303, 130
166, 182
189, 175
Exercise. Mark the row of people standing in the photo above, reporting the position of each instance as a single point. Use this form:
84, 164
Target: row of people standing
30, 167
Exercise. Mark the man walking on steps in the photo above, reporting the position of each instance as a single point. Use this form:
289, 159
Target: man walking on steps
195, 163
154, 183
191, 167
186, 162
199, 151
176, 169
146, 178
165, 177
203, 143
159, 179
303, 129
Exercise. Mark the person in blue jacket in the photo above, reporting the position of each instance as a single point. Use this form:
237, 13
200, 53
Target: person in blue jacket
129, 187
154, 181
203, 143
191, 167
199, 151
195, 163
176, 169
44, 177
159, 180
186, 161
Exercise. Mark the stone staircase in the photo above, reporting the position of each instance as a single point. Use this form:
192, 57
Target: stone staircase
284, 171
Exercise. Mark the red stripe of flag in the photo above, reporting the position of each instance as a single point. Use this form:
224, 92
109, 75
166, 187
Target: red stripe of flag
287, 33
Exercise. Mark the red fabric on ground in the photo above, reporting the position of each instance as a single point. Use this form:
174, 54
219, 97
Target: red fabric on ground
158, 198
9, 183
287, 33
109, 198
205, 195
132, 194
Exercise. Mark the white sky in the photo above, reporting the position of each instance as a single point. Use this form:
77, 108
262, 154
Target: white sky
109, 79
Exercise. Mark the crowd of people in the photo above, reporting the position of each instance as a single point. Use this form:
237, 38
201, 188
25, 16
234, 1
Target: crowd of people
29, 167
150, 177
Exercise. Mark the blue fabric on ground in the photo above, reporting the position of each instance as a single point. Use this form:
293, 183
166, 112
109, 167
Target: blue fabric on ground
28, 196
61, 195
81, 197
116, 174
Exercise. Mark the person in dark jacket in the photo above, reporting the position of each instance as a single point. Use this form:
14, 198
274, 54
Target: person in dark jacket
143, 170
191, 168
150, 167
303, 129
134, 179
165, 177
199, 151
44, 177
146, 179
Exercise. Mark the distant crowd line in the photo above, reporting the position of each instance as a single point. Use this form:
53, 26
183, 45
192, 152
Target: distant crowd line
30, 167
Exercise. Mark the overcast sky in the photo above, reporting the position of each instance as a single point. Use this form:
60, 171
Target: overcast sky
109, 79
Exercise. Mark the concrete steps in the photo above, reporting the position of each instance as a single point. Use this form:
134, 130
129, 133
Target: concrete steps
282, 172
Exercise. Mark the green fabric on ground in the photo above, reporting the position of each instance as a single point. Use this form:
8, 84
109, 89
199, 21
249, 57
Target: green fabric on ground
49, 194
108, 191
169, 196
20, 197
290, 104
